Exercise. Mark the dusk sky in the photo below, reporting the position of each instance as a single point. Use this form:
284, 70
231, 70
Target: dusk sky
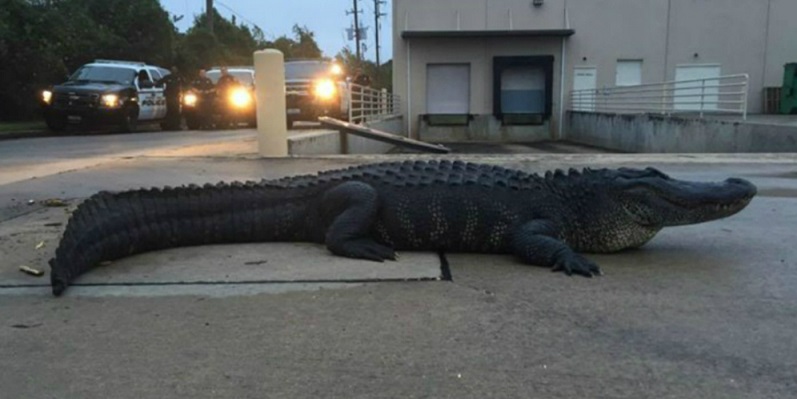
327, 18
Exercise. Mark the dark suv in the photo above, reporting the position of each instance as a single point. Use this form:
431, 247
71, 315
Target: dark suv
228, 109
315, 88
106, 92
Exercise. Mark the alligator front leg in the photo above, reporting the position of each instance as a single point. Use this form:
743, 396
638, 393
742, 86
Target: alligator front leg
536, 243
353, 207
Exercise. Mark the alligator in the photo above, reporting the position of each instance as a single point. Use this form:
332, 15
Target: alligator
371, 211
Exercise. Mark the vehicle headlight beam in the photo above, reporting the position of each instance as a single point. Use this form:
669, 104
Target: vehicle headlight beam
240, 98
110, 100
190, 100
325, 89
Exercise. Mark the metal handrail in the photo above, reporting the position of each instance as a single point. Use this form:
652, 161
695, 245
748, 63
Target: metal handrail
723, 94
367, 104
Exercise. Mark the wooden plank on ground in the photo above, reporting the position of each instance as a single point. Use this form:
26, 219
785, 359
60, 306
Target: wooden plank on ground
373, 134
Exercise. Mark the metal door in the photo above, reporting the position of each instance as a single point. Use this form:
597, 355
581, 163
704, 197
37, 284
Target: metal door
160, 95
584, 78
448, 89
147, 97
523, 90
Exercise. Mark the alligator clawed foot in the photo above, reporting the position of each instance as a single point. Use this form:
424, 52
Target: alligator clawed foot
576, 264
368, 249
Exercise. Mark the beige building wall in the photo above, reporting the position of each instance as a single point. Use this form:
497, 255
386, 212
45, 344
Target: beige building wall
781, 43
717, 32
610, 30
742, 36
514, 14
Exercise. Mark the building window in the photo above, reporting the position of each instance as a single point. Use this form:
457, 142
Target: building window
629, 73
447, 94
522, 89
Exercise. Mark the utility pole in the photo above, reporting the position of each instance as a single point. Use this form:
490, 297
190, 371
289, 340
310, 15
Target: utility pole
377, 15
357, 39
209, 14
357, 30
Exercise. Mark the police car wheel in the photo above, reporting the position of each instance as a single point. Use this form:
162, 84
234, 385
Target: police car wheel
129, 120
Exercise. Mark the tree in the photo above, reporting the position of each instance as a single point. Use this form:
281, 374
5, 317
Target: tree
228, 44
302, 45
305, 45
42, 41
381, 75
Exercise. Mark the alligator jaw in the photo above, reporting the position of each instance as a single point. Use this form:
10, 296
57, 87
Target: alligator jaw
702, 202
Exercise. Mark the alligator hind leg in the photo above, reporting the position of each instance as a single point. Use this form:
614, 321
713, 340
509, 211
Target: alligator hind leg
536, 243
353, 207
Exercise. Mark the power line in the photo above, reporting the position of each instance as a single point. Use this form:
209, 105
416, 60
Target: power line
237, 14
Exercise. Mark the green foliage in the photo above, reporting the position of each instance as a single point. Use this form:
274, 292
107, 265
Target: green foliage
301, 46
42, 41
228, 44
381, 75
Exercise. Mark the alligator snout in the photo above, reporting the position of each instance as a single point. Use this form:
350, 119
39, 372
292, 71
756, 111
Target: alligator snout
742, 186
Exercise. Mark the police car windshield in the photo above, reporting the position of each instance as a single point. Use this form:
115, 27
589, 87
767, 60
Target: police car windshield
105, 74
243, 77
306, 70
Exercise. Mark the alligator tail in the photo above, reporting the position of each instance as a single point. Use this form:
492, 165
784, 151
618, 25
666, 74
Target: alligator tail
110, 226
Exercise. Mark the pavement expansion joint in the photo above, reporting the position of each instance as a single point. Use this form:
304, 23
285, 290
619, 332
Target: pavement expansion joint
445, 269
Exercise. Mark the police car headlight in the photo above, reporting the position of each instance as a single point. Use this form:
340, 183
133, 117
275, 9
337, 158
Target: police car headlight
325, 89
110, 100
47, 96
190, 100
240, 98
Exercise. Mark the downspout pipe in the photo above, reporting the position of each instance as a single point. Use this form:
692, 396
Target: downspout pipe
562, 63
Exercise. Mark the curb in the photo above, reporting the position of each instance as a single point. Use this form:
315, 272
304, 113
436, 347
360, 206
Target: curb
27, 134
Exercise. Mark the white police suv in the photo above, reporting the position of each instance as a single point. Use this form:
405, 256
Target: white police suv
107, 92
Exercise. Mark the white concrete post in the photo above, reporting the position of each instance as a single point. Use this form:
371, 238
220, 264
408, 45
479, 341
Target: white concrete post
272, 131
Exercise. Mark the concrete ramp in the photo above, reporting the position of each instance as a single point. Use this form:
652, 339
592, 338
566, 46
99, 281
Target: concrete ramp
369, 133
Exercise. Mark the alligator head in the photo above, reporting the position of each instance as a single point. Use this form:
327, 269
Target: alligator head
653, 199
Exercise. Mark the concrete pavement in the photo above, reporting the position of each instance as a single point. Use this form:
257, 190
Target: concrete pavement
704, 311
